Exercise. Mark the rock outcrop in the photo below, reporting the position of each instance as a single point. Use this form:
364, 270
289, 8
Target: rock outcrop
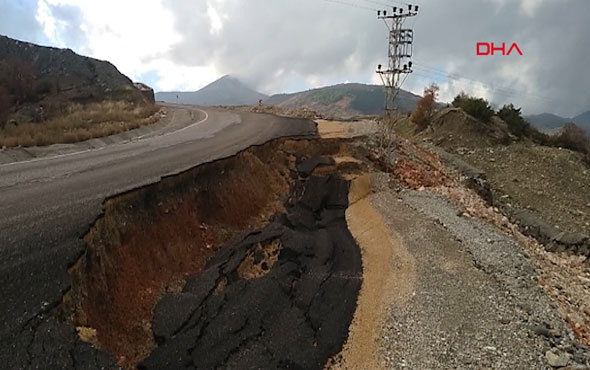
147, 91
555, 240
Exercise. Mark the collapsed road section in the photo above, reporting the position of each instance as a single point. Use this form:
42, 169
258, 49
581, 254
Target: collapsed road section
272, 273
283, 297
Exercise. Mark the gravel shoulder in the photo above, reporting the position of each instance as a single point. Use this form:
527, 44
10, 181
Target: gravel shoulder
476, 303
446, 290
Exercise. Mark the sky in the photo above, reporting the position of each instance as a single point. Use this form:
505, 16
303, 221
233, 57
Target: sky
292, 45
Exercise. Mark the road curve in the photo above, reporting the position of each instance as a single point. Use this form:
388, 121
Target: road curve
47, 204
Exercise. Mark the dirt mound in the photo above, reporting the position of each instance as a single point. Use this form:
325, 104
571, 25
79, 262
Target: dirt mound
452, 128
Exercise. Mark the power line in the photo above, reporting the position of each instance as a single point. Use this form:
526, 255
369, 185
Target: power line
390, 4
456, 77
429, 76
376, 2
496, 90
500, 91
346, 3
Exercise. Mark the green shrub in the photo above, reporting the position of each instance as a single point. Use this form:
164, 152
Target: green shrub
478, 108
513, 118
459, 99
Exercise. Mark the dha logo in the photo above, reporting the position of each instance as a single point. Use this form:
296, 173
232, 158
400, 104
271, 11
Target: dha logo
484, 48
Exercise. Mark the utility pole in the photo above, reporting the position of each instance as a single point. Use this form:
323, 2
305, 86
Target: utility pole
399, 52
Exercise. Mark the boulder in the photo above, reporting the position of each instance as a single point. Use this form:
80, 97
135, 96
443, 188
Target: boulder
146, 91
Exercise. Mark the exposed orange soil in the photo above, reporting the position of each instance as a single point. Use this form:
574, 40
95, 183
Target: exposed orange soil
150, 241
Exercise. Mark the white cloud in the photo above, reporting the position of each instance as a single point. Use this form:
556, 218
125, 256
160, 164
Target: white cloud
529, 7
48, 22
181, 78
134, 35
215, 19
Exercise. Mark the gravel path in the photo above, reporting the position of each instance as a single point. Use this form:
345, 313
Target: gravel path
476, 303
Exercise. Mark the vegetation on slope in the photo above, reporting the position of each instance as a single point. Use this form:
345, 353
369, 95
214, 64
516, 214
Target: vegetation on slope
79, 123
425, 107
50, 95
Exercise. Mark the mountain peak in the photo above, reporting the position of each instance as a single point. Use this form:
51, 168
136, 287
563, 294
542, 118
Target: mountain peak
227, 90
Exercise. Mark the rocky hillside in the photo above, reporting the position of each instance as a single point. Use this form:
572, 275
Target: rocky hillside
38, 82
227, 90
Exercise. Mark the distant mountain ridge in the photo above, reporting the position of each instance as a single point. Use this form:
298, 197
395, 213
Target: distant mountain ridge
349, 99
343, 100
227, 90
583, 120
552, 122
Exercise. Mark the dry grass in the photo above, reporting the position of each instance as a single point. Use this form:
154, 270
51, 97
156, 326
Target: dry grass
79, 123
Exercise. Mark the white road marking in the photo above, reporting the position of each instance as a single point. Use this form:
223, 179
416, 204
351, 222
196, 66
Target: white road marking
101, 148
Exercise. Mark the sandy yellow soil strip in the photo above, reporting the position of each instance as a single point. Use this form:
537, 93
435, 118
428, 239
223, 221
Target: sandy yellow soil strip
331, 129
389, 274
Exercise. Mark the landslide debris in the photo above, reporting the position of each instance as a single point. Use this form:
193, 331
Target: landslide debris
294, 315
268, 284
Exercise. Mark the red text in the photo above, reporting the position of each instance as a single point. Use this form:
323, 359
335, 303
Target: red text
485, 48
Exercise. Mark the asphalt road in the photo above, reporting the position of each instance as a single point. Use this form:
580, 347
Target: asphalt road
48, 204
